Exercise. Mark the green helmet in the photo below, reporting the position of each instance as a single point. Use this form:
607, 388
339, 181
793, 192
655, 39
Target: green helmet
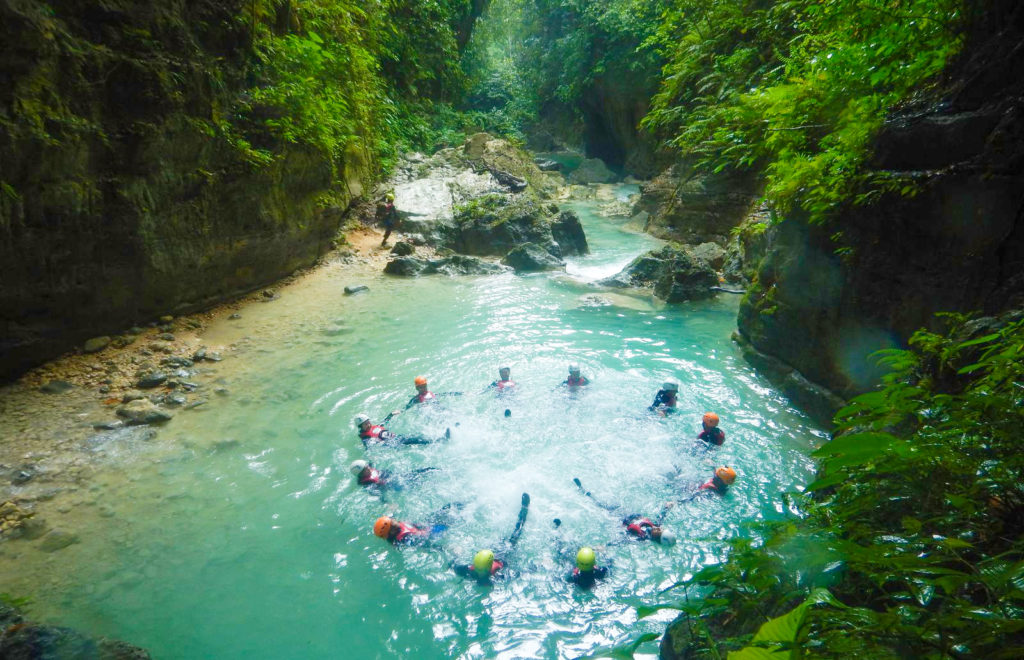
482, 562
585, 559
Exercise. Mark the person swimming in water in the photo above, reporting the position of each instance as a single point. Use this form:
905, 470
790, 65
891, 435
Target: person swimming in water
376, 434
587, 572
489, 566
665, 400
575, 379
637, 526
423, 395
710, 434
504, 384
378, 480
719, 483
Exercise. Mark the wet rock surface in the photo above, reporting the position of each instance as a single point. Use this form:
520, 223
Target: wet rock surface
673, 272
453, 265
592, 170
143, 411
528, 258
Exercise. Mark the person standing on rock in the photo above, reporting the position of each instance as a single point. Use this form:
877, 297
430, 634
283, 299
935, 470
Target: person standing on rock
376, 434
665, 400
387, 214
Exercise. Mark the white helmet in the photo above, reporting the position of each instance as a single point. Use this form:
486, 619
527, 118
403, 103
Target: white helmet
358, 466
360, 418
669, 386
574, 368
667, 537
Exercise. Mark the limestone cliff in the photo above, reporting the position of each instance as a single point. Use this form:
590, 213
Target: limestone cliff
823, 300
121, 197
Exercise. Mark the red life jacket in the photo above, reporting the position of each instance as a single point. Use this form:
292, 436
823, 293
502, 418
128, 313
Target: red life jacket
406, 533
372, 432
576, 382
426, 396
640, 528
712, 436
504, 384
373, 478
712, 486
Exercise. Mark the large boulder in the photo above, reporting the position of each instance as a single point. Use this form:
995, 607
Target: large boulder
593, 170
406, 266
673, 273
494, 224
568, 233
532, 258
25, 640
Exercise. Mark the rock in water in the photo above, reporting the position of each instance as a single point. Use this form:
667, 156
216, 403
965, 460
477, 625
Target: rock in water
57, 540
349, 290
531, 258
56, 387
458, 264
568, 233
402, 249
547, 165
592, 170
673, 272
405, 266
96, 344
143, 411
151, 379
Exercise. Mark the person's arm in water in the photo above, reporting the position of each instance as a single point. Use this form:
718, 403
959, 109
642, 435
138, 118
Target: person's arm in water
524, 509
607, 507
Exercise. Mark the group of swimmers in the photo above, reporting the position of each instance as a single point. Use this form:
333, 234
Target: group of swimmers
488, 564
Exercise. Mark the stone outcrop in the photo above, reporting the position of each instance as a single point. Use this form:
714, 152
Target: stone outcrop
125, 202
592, 170
454, 265
696, 208
672, 272
527, 258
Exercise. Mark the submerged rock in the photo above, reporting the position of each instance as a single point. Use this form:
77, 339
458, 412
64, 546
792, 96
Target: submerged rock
56, 387
24, 640
531, 258
673, 272
57, 540
349, 290
96, 344
143, 411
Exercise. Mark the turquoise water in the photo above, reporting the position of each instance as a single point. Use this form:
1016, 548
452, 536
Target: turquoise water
239, 531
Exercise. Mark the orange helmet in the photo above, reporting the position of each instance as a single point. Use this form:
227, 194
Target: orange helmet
383, 526
420, 380
726, 474
710, 419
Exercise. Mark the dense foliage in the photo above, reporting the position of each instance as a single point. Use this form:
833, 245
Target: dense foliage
798, 88
343, 73
910, 544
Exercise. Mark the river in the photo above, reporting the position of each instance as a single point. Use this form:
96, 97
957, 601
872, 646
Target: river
238, 532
